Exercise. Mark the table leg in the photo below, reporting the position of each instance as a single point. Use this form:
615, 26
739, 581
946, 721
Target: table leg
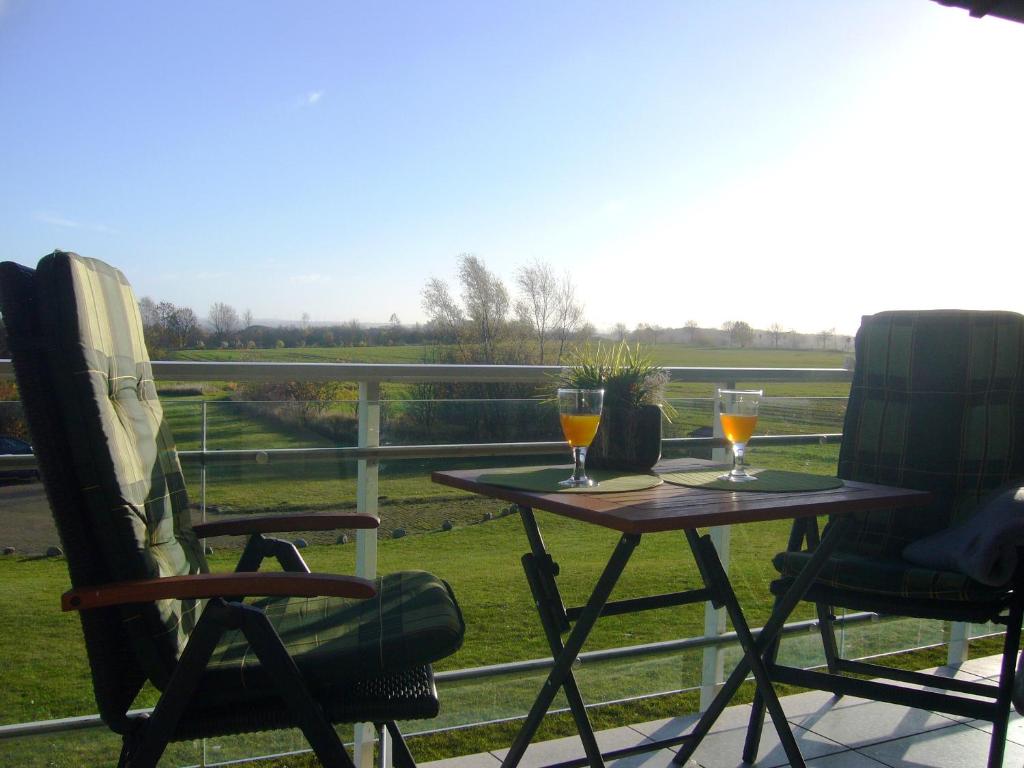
561, 675
718, 580
783, 608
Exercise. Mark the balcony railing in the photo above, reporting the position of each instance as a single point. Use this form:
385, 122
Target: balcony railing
368, 452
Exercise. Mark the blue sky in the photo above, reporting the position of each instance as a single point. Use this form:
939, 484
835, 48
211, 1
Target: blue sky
793, 162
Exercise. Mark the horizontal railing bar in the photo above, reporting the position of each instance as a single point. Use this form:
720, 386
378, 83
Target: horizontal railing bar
455, 450
644, 649
194, 370
13, 461
64, 724
649, 603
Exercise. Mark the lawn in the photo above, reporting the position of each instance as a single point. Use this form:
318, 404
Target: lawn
663, 354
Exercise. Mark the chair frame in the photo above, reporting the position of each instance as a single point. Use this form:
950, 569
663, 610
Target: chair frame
149, 735
959, 697
97, 599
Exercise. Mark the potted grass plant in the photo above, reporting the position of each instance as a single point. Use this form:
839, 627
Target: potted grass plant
629, 436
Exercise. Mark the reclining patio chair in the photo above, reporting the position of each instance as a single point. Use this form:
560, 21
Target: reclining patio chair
313, 650
936, 404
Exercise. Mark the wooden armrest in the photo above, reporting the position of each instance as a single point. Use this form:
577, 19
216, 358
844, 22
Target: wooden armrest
284, 523
209, 585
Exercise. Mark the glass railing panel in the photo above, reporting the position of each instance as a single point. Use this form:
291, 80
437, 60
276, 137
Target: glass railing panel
510, 420
475, 543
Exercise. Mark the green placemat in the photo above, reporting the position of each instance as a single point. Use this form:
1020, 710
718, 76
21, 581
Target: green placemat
546, 479
768, 480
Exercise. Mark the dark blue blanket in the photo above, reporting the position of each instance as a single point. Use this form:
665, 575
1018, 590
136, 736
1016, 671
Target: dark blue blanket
984, 547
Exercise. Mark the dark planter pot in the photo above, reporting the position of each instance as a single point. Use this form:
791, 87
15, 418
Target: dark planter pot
628, 438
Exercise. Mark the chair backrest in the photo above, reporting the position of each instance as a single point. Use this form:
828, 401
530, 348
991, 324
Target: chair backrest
936, 404
107, 459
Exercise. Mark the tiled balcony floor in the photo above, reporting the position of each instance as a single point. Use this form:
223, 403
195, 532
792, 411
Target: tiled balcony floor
832, 732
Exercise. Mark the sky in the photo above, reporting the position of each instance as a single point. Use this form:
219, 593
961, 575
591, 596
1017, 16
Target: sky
801, 162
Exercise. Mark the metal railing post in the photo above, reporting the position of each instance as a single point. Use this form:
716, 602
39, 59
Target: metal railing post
366, 540
202, 468
202, 507
713, 667
959, 636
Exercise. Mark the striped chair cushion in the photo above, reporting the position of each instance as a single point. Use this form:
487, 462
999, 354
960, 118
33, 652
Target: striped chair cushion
936, 404
123, 451
413, 620
883, 576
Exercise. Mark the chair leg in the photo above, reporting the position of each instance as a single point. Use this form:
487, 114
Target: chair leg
757, 711
1006, 685
288, 681
400, 754
146, 743
826, 628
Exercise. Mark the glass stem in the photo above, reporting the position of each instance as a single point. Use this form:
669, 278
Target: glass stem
738, 449
579, 457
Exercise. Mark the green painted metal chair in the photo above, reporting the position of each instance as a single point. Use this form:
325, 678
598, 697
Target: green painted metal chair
311, 651
936, 404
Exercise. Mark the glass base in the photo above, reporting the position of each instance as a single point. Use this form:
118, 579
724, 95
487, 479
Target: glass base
583, 482
737, 477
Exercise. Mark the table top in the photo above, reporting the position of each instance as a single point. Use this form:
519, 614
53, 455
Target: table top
670, 507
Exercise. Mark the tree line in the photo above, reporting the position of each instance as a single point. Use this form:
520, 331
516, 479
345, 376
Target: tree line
169, 327
481, 322
486, 324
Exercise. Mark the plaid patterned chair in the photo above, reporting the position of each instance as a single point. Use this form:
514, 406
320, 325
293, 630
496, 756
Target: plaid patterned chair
314, 650
936, 404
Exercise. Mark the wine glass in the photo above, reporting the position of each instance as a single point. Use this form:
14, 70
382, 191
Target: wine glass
579, 410
737, 409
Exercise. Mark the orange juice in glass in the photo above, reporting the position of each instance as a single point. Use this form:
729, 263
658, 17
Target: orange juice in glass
737, 410
579, 411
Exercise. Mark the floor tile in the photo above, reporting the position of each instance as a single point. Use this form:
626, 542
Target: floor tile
558, 750
848, 759
724, 749
1014, 733
481, 760
826, 727
987, 666
958, 746
732, 717
854, 721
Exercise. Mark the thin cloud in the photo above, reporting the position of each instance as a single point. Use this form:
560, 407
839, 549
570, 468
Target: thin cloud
309, 99
62, 221
310, 278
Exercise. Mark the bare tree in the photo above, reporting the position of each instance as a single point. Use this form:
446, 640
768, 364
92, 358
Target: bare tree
538, 308
147, 308
647, 333
691, 330
743, 333
486, 301
826, 337
223, 318
621, 331
443, 312
247, 318
775, 330
568, 313
740, 332
183, 327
